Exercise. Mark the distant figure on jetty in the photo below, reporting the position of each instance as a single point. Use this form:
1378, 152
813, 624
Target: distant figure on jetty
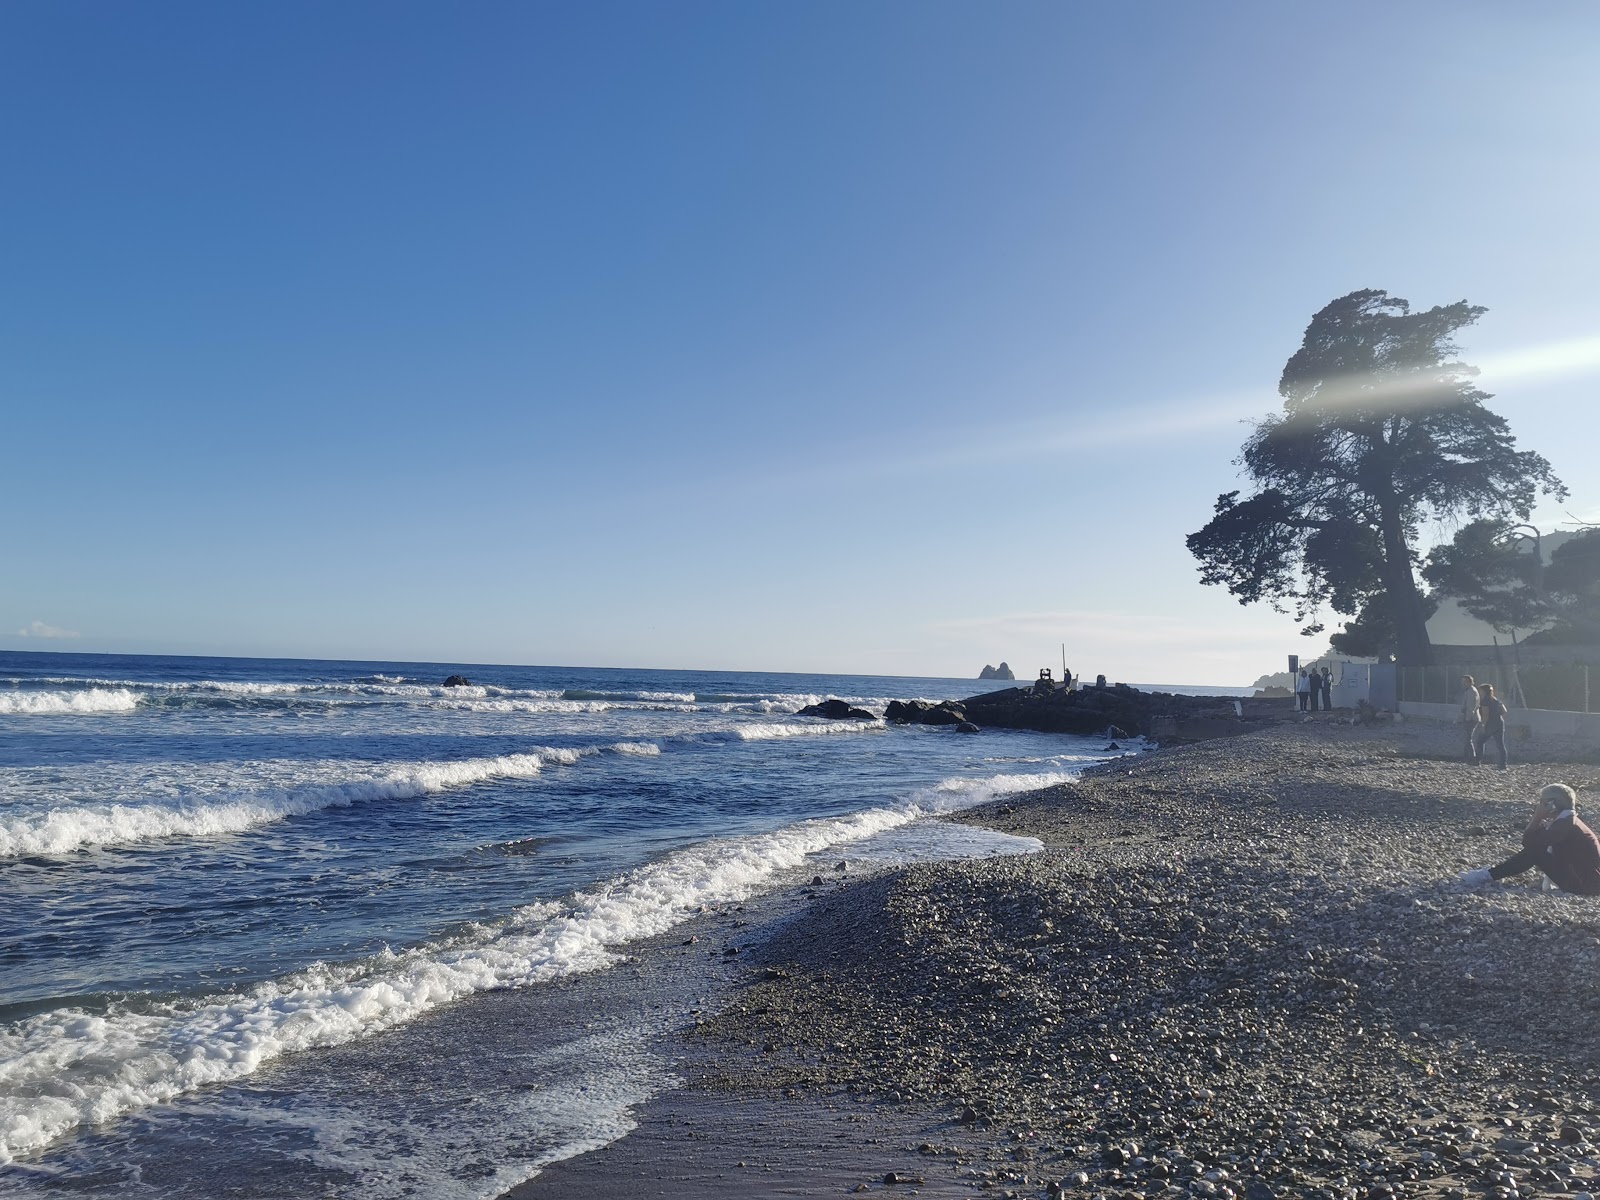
1469, 716
1556, 842
1491, 724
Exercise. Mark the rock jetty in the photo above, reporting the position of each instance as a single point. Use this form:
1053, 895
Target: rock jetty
1117, 710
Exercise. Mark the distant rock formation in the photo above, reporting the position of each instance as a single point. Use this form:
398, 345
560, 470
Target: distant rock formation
1003, 671
458, 681
836, 710
920, 712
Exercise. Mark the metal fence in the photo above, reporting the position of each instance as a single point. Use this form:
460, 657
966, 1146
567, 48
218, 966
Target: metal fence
1561, 687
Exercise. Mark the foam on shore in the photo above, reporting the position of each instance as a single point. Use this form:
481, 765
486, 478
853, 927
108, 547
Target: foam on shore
68, 1068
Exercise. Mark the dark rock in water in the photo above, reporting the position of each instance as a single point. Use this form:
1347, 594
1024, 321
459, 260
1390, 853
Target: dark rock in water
458, 681
1113, 746
920, 712
967, 727
1003, 671
836, 710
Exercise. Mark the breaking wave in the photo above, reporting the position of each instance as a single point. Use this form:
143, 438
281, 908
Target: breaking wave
762, 732
68, 1067
74, 827
88, 700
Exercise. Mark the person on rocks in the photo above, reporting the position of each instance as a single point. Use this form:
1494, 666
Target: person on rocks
1469, 716
1556, 842
1491, 724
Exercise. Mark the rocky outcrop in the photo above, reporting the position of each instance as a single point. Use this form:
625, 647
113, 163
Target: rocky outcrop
1117, 712
458, 681
1003, 671
836, 710
920, 712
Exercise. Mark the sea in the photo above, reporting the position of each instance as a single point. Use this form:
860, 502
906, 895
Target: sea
291, 927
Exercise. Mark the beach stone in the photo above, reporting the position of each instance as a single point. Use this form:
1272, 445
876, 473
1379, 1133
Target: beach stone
836, 710
920, 712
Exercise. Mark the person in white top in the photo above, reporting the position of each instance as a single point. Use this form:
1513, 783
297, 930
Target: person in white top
1469, 715
1302, 689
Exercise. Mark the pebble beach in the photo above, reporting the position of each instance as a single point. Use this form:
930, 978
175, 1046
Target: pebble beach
1238, 968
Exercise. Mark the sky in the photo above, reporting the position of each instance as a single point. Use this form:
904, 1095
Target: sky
895, 337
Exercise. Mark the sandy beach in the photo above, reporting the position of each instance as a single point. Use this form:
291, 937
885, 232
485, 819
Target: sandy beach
1241, 967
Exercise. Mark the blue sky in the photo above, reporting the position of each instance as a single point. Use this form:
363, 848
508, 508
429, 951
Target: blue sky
885, 337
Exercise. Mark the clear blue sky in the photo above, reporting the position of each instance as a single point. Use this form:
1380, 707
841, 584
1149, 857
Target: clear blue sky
890, 337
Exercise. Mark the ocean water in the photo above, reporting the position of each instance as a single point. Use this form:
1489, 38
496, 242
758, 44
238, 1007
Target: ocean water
315, 928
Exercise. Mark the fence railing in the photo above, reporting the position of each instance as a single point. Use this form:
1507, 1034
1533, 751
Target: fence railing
1563, 687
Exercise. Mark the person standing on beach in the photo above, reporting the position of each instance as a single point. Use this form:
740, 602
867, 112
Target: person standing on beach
1302, 689
1491, 724
1556, 842
1469, 716
1326, 680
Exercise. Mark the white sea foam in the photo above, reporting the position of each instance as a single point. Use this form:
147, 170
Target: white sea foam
763, 732
69, 827
62, 830
87, 700
66, 1068
389, 1147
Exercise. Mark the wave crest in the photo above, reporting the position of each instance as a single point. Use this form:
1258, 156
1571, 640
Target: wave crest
88, 700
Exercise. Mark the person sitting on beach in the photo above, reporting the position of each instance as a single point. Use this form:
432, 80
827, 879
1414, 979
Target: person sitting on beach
1491, 724
1469, 714
1556, 842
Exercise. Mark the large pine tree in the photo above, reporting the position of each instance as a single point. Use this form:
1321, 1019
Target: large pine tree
1382, 429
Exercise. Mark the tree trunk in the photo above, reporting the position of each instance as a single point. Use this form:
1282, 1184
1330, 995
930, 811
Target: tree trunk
1412, 647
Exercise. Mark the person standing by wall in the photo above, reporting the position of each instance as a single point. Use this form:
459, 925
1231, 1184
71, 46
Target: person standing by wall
1469, 716
1302, 689
1325, 678
1491, 724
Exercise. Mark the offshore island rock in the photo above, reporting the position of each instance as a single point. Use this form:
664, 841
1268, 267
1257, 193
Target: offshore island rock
920, 712
1003, 671
458, 681
836, 710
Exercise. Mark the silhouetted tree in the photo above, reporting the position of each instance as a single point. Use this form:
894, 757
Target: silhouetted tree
1381, 430
1493, 574
1498, 577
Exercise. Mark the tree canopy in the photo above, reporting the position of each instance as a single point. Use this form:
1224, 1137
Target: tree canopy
1382, 430
1497, 574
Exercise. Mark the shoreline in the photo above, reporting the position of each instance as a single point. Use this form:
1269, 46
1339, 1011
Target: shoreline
1237, 967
